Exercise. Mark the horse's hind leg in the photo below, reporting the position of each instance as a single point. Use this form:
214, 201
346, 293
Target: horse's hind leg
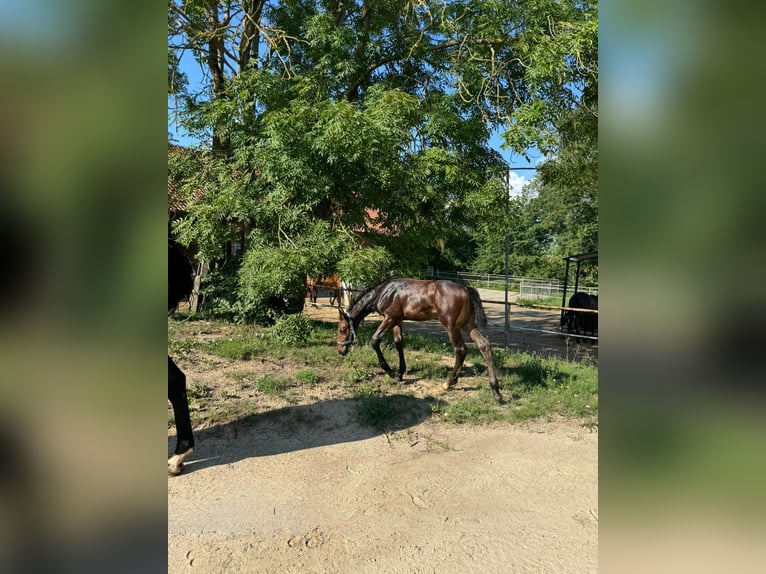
486, 350
184, 437
399, 342
458, 344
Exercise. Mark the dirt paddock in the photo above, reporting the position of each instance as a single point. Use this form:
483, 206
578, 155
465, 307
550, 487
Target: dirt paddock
309, 490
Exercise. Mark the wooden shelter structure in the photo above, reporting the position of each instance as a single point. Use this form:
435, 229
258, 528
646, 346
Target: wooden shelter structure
577, 260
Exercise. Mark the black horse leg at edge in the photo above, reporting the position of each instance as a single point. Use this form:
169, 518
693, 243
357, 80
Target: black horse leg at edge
179, 400
180, 285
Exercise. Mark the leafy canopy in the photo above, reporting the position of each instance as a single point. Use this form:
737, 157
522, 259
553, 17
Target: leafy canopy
354, 135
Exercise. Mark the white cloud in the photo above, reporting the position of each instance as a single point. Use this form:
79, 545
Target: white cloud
544, 158
515, 183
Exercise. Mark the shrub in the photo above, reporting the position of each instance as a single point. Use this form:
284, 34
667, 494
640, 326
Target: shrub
292, 330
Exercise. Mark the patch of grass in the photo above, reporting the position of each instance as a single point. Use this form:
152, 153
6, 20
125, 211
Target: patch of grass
243, 380
307, 377
547, 386
424, 366
180, 347
316, 355
237, 349
427, 344
534, 371
479, 409
534, 386
358, 368
272, 385
199, 391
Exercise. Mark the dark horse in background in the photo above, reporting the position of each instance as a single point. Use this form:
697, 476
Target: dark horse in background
332, 283
180, 283
457, 308
579, 322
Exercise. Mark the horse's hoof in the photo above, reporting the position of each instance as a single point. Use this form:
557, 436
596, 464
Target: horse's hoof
446, 386
176, 462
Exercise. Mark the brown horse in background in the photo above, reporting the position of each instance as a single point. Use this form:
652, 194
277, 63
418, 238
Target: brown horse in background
332, 283
458, 308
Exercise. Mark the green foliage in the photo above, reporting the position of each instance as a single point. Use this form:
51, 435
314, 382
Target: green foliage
356, 140
291, 330
366, 266
219, 289
474, 410
238, 349
272, 385
271, 283
307, 377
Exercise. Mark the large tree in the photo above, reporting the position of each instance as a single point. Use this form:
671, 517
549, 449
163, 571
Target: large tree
337, 126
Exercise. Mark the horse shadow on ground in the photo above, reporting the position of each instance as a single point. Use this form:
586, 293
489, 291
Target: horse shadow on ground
299, 427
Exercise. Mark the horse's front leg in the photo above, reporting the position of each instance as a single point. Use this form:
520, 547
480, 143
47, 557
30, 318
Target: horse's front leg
382, 329
399, 342
184, 436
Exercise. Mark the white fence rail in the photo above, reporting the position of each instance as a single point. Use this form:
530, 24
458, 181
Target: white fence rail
527, 287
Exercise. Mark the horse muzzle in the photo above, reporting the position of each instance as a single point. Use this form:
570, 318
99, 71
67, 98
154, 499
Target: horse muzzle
344, 345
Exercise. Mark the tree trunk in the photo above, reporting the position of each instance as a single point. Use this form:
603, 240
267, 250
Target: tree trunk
202, 270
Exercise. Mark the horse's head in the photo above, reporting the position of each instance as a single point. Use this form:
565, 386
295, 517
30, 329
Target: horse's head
346, 333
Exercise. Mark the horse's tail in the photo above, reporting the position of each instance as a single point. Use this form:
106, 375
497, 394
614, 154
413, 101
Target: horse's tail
478, 308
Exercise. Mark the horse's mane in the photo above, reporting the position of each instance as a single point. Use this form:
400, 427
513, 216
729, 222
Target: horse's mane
364, 305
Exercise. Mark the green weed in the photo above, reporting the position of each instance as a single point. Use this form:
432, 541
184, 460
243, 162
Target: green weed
272, 385
307, 377
237, 349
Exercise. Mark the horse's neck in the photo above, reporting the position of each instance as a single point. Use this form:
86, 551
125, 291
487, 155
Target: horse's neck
359, 311
357, 316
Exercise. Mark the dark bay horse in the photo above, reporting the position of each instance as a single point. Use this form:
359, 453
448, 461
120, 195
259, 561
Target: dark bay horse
332, 283
458, 308
180, 283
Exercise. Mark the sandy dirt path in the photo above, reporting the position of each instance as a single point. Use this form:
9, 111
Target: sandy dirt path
306, 489
318, 493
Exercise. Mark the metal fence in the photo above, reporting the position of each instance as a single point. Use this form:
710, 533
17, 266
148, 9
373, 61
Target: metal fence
527, 287
538, 289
